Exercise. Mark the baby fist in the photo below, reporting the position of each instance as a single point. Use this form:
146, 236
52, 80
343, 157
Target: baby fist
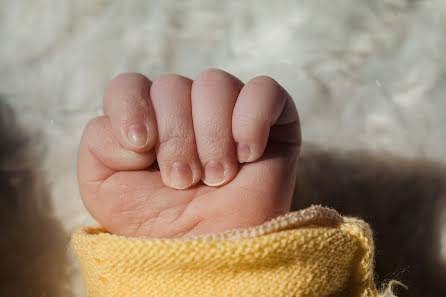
180, 157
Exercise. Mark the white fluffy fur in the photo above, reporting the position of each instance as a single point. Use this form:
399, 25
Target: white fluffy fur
364, 74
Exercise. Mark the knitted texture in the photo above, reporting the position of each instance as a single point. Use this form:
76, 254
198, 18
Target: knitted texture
307, 260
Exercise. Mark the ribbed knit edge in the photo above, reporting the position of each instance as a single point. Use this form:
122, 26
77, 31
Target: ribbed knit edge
85, 238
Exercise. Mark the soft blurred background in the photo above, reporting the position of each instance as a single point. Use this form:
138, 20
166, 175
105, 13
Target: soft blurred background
368, 77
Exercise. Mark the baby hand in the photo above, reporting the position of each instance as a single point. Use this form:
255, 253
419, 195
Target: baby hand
180, 157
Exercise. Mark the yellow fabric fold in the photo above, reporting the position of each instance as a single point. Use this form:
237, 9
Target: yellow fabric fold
304, 261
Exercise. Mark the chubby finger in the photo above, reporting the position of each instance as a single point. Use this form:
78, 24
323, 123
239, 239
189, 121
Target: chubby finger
127, 103
101, 155
214, 93
176, 149
262, 104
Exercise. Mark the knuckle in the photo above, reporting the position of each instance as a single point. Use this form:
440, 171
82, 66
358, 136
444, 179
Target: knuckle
214, 76
97, 133
126, 91
264, 82
176, 143
252, 117
123, 80
169, 81
250, 125
94, 124
129, 76
242, 118
212, 73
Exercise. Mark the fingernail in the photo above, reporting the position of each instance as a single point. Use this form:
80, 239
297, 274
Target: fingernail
180, 175
243, 152
138, 135
214, 174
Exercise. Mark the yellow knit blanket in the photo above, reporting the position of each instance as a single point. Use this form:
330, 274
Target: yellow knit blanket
313, 252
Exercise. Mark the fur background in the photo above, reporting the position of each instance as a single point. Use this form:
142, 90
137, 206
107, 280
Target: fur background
368, 77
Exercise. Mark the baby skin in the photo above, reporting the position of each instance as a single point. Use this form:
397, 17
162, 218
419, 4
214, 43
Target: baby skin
180, 157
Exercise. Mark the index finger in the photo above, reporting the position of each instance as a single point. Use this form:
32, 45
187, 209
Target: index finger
128, 105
